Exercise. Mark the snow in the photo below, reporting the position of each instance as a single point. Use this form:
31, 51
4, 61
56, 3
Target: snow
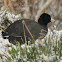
4, 43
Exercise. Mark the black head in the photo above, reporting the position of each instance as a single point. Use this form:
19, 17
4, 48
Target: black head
44, 19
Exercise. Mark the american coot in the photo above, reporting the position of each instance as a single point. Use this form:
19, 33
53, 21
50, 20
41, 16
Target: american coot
26, 29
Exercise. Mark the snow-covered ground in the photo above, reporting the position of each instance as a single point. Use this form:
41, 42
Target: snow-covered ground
52, 35
5, 45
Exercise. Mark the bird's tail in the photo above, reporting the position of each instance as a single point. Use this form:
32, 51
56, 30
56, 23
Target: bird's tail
4, 36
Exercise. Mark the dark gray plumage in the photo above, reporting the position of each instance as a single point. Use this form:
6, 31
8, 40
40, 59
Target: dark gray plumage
16, 31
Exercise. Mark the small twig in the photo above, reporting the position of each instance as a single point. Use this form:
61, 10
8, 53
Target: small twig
6, 3
28, 30
24, 31
59, 4
41, 37
42, 34
55, 17
27, 9
11, 7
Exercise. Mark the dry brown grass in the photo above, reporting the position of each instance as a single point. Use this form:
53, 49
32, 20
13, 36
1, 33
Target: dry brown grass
30, 8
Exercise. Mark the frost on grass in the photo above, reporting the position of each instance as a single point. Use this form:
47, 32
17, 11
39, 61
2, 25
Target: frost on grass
48, 49
6, 18
4, 14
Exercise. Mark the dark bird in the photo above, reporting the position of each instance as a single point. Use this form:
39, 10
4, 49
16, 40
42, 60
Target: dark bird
26, 29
